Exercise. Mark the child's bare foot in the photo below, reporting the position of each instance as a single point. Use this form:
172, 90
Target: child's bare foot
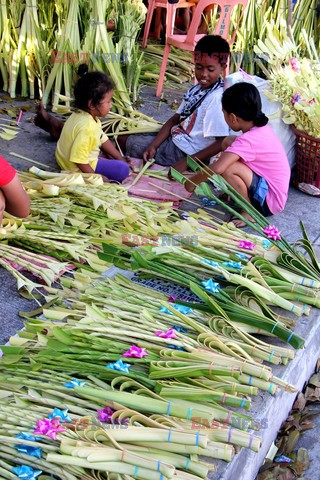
240, 223
48, 122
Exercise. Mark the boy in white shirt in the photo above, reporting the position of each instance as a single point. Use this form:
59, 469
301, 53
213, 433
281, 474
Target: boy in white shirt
198, 127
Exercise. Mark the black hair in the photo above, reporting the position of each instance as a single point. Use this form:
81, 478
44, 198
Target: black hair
243, 99
213, 46
91, 86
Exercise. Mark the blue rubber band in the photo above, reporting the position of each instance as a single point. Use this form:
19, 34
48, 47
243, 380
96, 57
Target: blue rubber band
159, 465
169, 435
311, 283
197, 439
271, 356
169, 408
250, 380
274, 327
299, 298
161, 476
290, 336
187, 463
303, 279
189, 413
292, 308
136, 470
270, 388
243, 402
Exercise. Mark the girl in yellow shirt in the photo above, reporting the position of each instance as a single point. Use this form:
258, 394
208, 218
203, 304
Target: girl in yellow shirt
82, 137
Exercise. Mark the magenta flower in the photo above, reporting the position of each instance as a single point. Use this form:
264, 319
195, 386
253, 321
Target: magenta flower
272, 232
295, 65
169, 334
246, 245
105, 416
135, 352
296, 98
312, 101
50, 428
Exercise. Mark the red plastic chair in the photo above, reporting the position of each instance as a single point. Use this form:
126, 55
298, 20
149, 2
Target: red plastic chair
188, 42
156, 5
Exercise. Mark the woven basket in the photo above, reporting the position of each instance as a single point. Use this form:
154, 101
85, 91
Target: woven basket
307, 159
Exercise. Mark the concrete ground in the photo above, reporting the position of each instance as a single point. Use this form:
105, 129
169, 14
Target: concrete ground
36, 145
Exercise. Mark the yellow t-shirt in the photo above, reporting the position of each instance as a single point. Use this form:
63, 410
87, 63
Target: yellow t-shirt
80, 141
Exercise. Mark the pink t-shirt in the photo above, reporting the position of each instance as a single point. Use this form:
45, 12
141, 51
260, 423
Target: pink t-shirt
261, 150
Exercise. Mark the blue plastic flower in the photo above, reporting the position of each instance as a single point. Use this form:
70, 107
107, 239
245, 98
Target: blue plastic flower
26, 472
180, 329
266, 243
211, 286
242, 256
74, 383
119, 366
28, 450
210, 262
232, 264
63, 414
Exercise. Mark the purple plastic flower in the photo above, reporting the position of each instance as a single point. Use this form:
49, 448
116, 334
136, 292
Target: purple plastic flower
272, 232
105, 416
135, 352
296, 98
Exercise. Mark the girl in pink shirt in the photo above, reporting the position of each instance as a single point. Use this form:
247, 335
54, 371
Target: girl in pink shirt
254, 163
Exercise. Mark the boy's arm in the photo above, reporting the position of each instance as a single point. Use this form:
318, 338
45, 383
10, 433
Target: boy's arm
210, 151
219, 167
14, 199
164, 133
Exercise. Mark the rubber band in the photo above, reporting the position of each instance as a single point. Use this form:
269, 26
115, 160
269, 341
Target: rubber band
169, 435
189, 413
251, 440
250, 380
232, 371
123, 454
305, 306
197, 439
210, 368
187, 463
161, 476
259, 330
229, 435
271, 356
270, 388
136, 470
224, 398
290, 336
229, 417
299, 298
293, 286
169, 408
243, 402
311, 283
307, 291
159, 465
303, 279
274, 327
292, 308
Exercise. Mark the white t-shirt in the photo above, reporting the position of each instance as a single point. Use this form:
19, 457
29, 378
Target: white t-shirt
202, 127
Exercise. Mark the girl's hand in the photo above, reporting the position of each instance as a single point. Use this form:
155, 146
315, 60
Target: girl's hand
129, 162
105, 179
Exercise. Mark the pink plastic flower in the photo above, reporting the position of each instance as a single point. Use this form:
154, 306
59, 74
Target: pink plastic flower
296, 98
135, 352
50, 428
169, 334
295, 65
246, 245
272, 232
312, 101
